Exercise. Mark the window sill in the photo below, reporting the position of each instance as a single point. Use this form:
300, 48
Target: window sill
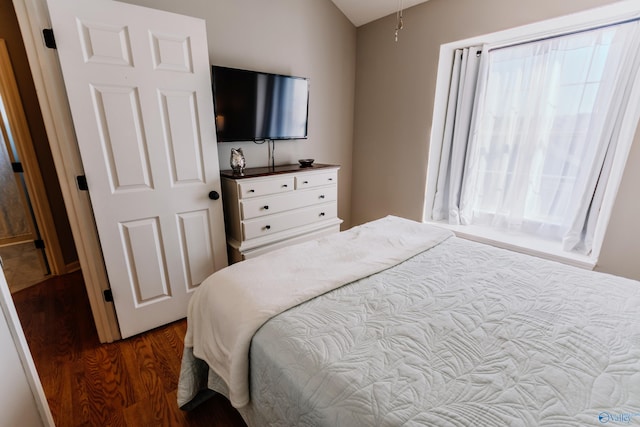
525, 244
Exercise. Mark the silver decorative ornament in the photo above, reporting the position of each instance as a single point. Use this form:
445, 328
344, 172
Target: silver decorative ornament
237, 161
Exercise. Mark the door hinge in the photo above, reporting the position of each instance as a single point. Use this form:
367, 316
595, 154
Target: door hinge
49, 39
108, 295
17, 167
82, 182
39, 243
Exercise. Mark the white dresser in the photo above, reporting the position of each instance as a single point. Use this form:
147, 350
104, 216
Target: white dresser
272, 207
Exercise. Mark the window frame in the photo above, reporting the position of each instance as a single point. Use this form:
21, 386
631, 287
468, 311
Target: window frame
592, 18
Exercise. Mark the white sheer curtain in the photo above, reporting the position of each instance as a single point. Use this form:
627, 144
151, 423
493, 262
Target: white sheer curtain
542, 134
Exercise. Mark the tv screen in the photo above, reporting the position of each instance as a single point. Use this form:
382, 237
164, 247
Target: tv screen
251, 106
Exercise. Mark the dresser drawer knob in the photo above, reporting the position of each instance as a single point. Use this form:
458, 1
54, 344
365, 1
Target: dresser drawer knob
322, 196
305, 182
330, 179
284, 186
321, 214
267, 227
265, 207
251, 191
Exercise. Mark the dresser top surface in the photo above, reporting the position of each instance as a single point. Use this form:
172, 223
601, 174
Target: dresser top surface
277, 170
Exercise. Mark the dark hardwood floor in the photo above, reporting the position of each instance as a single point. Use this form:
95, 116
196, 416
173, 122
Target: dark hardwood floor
131, 382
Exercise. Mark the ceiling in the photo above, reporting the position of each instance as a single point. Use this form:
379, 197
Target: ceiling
361, 12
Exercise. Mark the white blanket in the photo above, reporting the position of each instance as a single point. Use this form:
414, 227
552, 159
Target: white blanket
233, 303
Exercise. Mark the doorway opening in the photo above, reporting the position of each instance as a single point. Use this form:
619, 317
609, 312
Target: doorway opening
21, 246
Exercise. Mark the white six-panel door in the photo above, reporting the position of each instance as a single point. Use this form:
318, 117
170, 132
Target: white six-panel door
138, 82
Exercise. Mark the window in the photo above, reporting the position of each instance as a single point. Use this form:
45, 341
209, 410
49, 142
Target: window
532, 131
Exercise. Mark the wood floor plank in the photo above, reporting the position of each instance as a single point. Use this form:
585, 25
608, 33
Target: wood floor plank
150, 376
129, 383
133, 370
168, 366
80, 396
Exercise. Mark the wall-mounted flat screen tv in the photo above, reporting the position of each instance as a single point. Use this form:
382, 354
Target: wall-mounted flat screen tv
253, 106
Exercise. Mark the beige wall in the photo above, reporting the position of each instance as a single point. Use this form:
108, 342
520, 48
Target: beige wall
395, 88
621, 249
305, 38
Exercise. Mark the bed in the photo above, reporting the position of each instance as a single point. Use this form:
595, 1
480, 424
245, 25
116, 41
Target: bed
398, 323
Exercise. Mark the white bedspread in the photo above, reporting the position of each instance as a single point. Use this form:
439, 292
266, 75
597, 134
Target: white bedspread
233, 303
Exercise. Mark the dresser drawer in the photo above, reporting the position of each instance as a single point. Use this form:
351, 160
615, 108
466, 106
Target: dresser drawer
273, 224
263, 187
316, 179
257, 207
